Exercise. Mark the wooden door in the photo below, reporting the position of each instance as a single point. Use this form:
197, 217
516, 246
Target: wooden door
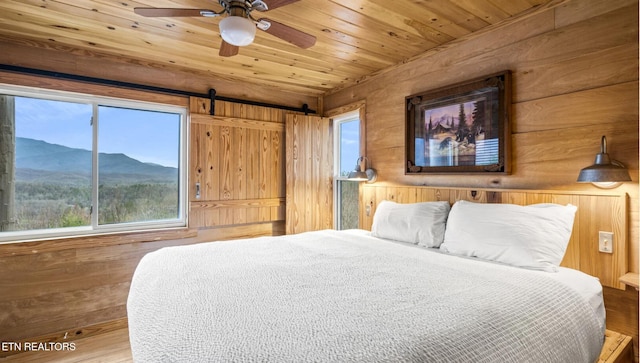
309, 173
237, 173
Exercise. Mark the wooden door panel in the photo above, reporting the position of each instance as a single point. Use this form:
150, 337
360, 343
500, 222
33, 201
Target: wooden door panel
309, 173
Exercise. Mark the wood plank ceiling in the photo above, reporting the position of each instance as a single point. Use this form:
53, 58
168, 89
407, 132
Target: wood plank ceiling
355, 38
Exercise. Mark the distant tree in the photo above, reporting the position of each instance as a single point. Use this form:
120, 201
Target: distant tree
478, 116
46, 205
75, 216
462, 117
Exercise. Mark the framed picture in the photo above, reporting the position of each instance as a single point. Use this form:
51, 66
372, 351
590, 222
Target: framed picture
464, 128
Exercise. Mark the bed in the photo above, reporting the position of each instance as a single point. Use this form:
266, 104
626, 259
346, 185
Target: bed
406, 291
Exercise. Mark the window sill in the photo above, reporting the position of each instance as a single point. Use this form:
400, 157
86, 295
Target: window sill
96, 240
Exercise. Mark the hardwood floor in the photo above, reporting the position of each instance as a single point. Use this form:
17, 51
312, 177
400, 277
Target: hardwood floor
111, 347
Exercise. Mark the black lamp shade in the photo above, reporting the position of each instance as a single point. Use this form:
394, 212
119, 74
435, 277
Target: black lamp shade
604, 170
597, 173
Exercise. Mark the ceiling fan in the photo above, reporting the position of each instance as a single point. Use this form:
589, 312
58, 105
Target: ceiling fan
238, 28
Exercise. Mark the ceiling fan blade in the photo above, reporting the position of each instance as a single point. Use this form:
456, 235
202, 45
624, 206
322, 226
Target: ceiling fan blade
171, 12
291, 35
273, 4
228, 50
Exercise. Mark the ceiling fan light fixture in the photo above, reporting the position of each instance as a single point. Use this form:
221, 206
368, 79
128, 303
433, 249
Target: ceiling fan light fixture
237, 30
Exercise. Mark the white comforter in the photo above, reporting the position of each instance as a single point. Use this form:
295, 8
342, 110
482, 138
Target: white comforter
333, 296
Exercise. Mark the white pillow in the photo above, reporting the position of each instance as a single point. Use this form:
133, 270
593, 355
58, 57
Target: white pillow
417, 223
534, 236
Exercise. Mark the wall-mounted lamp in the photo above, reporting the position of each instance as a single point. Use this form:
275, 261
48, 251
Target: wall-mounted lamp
604, 173
363, 174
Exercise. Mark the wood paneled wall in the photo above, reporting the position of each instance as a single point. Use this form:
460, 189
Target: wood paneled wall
64, 59
69, 287
575, 78
575, 71
596, 212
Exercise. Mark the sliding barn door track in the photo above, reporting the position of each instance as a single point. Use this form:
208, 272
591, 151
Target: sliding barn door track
212, 96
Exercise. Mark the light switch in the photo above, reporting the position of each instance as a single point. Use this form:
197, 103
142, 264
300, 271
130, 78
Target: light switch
605, 242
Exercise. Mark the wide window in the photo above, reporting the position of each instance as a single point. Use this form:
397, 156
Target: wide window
347, 152
75, 164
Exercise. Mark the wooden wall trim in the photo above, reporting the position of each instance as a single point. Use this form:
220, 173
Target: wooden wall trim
57, 84
101, 240
361, 106
488, 191
346, 108
236, 122
202, 106
248, 203
214, 213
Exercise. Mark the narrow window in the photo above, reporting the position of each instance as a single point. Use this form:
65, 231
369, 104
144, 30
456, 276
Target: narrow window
52, 164
347, 144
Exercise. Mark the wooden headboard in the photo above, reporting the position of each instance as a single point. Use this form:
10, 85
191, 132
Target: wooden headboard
597, 211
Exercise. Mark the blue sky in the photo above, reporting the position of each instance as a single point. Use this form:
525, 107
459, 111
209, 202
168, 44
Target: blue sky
143, 135
350, 145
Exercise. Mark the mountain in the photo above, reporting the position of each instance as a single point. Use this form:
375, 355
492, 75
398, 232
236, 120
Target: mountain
41, 161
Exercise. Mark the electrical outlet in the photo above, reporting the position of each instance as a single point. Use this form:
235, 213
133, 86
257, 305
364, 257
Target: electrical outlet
605, 242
